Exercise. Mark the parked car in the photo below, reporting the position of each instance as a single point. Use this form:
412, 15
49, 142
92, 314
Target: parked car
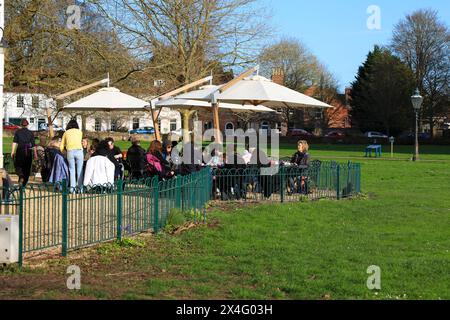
375, 134
335, 135
299, 133
411, 136
10, 126
44, 127
143, 130
178, 132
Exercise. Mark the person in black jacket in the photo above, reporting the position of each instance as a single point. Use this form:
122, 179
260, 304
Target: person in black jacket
136, 159
23, 150
115, 155
301, 159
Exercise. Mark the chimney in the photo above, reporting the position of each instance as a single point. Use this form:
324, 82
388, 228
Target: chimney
348, 93
278, 76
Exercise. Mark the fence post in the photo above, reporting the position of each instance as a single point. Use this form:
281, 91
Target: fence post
338, 185
156, 205
119, 208
21, 226
281, 183
178, 193
358, 178
64, 217
349, 191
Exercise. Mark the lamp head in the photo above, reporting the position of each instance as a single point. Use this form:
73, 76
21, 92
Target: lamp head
417, 100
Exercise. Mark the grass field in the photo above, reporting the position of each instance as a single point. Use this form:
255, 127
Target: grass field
308, 250
336, 151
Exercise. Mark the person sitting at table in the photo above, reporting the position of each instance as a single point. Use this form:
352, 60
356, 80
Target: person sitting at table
99, 169
156, 165
50, 152
136, 159
56, 163
300, 158
216, 159
191, 158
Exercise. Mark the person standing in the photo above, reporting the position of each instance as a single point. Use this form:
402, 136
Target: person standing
23, 150
71, 142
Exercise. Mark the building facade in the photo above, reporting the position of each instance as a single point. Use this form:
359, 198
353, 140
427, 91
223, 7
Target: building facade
33, 107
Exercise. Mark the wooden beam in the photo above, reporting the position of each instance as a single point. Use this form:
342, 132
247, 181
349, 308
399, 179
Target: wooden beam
50, 124
216, 122
237, 79
95, 84
154, 114
185, 88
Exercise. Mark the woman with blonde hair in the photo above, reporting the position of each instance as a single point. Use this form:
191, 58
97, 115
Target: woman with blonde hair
71, 143
300, 158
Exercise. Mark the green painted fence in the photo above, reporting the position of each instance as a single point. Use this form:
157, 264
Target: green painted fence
53, 217
287, 183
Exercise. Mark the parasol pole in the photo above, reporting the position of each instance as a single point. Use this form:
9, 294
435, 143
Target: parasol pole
155, 114
215, 103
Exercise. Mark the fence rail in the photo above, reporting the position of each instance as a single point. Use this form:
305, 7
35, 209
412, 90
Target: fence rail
52, 217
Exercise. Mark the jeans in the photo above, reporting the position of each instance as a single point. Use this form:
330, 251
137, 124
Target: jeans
76, 161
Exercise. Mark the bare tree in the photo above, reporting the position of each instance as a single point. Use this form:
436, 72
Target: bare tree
46, 56
302, 72
298, 66
188, 38
422, 41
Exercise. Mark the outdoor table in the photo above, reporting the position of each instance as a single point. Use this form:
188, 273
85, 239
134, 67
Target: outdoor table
374, 147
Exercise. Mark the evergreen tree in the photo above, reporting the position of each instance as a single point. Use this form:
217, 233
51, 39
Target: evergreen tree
381, 94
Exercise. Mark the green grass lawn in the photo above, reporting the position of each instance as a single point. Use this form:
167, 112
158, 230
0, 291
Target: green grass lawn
307, 250
335, 151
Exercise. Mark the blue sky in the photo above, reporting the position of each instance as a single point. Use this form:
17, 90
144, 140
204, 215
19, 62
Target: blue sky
336, 30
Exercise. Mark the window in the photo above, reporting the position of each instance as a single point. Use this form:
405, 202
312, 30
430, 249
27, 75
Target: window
135, 123
41, 122
98, 125
20, 102
173, 125
208, 125
15, 121
318, 114
31, 120
229, 128
35, 102
264, 125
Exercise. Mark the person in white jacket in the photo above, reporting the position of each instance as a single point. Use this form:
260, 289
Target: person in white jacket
99, 169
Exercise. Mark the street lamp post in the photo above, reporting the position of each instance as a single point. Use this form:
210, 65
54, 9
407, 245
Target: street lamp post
2, 74
416, 100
